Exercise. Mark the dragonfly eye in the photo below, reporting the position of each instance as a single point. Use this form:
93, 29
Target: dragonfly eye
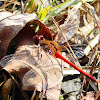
37, 39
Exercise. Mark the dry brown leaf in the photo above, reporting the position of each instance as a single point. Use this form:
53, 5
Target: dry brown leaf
52, 94
33, 70
7, 87
10, 25
89, 96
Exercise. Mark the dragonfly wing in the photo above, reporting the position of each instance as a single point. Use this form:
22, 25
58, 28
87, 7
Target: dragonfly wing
5, 59
32, 80
39, 78
32, 66
28, 54
54, 76
69, 28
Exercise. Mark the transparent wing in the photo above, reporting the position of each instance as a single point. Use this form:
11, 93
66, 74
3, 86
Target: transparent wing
5, 59
35, 68
70, 26
30, 55
79, 50
42, 78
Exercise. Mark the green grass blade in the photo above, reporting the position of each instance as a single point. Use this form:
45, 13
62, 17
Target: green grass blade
29, 4
43, 12
40, 7
58, 9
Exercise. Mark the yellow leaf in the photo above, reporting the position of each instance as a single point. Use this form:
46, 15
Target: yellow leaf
43, 12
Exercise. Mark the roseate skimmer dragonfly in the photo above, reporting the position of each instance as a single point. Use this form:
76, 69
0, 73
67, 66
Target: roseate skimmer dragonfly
51, 43
53, 48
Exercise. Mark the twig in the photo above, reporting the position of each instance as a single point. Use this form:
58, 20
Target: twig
33, 95
5, 5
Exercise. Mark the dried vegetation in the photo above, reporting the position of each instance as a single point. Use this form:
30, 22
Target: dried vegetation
28, 68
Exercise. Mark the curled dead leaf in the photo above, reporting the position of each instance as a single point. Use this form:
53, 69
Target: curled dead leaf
7, 87
35, 70
10, 25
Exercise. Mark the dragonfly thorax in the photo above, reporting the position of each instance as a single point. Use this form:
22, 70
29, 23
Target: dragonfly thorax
50, 47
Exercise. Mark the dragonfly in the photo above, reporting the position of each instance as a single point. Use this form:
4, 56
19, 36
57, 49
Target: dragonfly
31, 58
50, 43
54, 49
